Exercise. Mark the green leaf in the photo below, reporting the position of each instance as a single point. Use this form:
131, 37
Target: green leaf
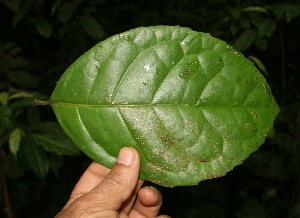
287, 10
91, 27
6, 116
4, 96
15, 140
35, 159
190, 104
52, 138
21, 95
7, 46
22, 12
55, 6
66, 11
266, 28
255, 9
259, 64
44, 27
245, 40
12, 5
23, 79
21, 103
54, 145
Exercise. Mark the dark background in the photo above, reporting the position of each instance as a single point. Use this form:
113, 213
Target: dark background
39, 39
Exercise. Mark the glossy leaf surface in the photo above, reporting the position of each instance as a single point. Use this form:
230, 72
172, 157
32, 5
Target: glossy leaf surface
189, 103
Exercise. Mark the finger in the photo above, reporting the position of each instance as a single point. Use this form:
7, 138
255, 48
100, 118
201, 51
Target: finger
127, 205
148, 203
120, 182
93, 175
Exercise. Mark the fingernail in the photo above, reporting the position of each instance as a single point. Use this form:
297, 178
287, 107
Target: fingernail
126, 156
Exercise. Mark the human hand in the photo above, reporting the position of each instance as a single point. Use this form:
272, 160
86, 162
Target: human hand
101, 192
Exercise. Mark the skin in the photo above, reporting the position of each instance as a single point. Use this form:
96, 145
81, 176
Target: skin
115, 193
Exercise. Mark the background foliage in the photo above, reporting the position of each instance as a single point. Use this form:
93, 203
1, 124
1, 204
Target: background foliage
39, 39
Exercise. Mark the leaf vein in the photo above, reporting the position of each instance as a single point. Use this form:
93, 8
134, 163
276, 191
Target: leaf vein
169, 70
98, 74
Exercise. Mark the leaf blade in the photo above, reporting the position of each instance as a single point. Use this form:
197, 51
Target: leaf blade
15, 141
190, 104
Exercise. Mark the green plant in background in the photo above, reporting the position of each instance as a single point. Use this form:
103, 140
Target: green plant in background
43, 38
26, 142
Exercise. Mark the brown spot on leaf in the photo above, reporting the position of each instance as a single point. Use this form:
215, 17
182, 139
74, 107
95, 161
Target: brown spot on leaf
256, 116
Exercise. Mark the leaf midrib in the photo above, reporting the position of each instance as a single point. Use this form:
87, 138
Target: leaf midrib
146, 105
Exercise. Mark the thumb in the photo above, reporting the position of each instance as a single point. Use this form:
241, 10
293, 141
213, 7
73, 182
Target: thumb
119, 184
